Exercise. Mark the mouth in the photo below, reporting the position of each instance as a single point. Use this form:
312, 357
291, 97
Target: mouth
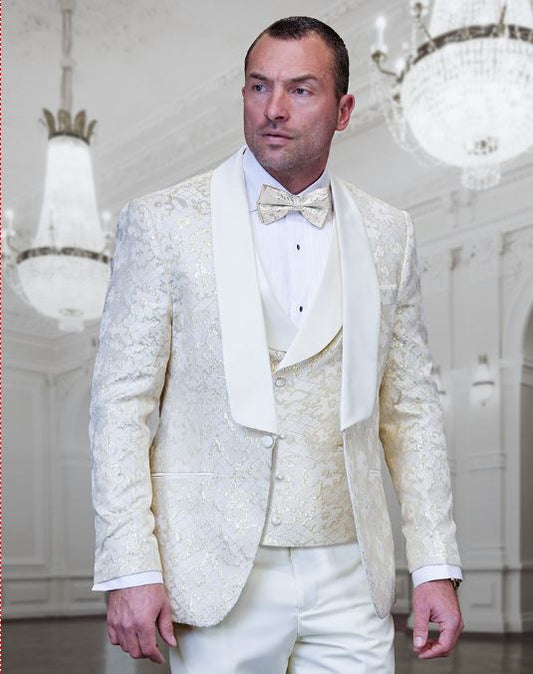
276, 135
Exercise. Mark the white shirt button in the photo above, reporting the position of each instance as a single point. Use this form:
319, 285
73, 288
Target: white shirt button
267, 441
283, 436
280, 381
276, 521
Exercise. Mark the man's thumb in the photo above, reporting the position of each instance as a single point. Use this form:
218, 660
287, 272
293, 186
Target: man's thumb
420, 630
165, 626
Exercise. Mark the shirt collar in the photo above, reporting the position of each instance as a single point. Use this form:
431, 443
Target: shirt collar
255, 176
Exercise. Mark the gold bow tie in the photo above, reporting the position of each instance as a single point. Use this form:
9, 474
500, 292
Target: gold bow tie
274, 204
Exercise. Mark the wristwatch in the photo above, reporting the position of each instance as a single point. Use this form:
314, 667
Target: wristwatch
455, 582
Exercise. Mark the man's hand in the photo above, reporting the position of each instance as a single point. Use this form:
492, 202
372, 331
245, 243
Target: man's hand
132, 614
436, 601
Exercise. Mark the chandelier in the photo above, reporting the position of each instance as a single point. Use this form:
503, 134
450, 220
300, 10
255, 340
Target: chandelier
462, 92
65, 272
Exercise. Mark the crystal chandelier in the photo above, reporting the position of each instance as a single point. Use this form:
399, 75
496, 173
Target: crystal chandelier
462, 93
65, 272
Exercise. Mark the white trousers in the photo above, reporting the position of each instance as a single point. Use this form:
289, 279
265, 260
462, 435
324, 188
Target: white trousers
302, 611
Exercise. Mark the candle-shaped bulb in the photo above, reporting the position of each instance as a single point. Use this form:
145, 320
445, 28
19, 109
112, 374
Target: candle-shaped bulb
381, 23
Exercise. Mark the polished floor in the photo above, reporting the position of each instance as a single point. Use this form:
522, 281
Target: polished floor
79, 646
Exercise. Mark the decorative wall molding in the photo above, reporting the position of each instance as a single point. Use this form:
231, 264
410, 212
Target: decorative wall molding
32, 453
482, 256
435, 269
517, 251
486, 461
34, 597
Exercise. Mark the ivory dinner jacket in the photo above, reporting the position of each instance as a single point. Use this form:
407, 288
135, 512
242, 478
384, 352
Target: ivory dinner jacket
183, 327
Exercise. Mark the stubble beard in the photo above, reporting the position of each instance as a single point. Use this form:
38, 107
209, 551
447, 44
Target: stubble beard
298, 157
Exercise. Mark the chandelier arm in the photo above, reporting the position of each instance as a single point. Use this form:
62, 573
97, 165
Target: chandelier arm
501, 21
379, 59
423, 28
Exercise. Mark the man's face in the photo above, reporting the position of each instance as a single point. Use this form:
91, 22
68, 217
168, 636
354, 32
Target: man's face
291, 110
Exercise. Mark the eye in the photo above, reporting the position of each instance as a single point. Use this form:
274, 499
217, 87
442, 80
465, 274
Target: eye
300, 91
258, 87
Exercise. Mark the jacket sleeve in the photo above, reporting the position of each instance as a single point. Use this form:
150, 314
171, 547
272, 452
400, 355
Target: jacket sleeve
412, 429
128, 377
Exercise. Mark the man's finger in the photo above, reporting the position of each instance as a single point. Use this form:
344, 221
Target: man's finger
444, 646
435, 649
165, 626
129, 641
111, 633
148, 645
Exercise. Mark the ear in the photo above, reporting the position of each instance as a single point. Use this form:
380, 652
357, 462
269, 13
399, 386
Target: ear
242, 91
345, 107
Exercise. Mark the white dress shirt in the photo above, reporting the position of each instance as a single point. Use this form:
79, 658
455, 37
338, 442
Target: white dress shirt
293, 254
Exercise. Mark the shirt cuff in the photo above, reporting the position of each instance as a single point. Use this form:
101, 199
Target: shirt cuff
132, 580
435, 572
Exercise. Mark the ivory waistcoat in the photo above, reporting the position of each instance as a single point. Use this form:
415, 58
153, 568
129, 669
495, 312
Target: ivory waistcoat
309, 501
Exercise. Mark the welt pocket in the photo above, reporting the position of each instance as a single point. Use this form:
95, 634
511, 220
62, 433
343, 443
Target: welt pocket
181, 474
374, 473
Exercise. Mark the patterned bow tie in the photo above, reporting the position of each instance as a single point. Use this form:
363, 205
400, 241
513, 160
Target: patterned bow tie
273, 204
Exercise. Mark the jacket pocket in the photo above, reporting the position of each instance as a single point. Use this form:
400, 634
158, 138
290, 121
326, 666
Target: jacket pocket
180, 474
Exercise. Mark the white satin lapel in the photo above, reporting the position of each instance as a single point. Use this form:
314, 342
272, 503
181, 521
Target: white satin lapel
244, 344
280, 329
324, 319
361, 310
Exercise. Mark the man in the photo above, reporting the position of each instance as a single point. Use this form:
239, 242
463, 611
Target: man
281, 337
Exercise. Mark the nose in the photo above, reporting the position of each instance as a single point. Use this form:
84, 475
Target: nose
277, 106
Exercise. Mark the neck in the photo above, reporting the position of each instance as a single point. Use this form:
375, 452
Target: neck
294, 183
296, 179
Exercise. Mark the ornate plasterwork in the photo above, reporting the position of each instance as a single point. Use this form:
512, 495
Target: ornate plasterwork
517, 253
435, 271
482, 256
112, 24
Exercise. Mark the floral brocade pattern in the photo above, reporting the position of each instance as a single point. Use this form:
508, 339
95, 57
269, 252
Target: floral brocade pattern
309, 500
192, 502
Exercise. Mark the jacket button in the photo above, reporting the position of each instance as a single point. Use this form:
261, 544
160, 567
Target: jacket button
267, 441
280, 381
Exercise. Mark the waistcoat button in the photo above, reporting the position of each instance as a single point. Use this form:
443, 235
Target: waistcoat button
279, 476
276, 521
280, 381
267, 441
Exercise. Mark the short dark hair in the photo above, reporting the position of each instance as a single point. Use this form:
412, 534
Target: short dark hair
296, 27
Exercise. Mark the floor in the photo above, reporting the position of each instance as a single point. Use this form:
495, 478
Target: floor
79, 646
